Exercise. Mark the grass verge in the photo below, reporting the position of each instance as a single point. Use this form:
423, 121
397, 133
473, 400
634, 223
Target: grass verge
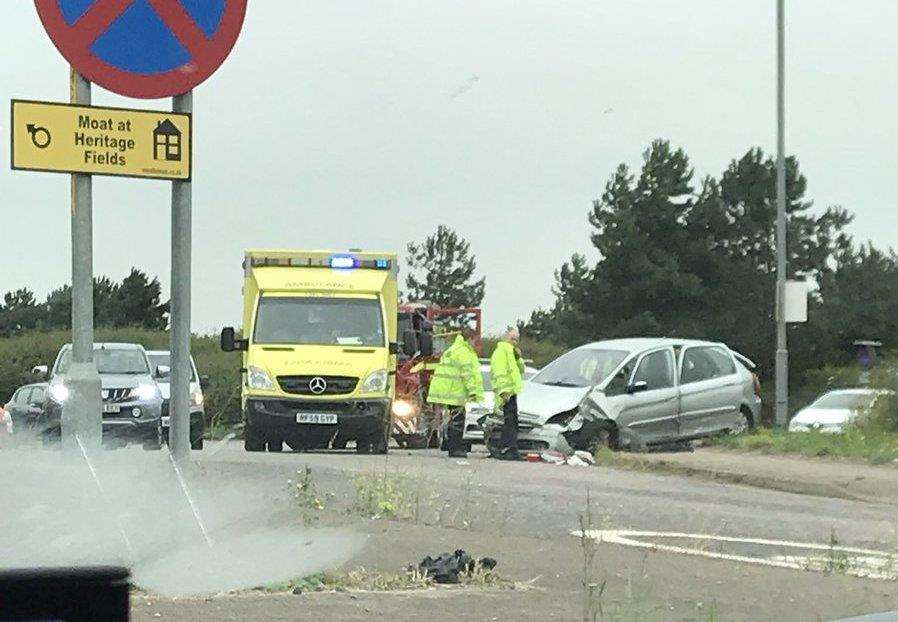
868, 444
362, 580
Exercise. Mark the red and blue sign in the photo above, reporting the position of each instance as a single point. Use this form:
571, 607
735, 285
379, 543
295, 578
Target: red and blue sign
144, 48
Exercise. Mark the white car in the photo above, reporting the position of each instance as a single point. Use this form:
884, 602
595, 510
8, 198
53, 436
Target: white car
474, 412
833, 411
161, 362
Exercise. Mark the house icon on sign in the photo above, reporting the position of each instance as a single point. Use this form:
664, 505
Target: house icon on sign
166, 141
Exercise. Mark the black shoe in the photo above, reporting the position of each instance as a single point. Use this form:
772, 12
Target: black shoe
510, 454
458, 454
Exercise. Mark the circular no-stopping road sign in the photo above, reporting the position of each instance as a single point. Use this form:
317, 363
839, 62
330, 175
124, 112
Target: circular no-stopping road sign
144, 48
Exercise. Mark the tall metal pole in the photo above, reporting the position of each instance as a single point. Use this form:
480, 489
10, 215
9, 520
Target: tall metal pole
81, 410
181, 225
782, 352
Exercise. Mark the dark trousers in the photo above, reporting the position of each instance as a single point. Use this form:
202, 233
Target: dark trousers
455, 428
509, 439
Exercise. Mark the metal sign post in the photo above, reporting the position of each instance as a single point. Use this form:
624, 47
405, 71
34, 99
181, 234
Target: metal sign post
181, 369
81, 411
182, 44
782, 352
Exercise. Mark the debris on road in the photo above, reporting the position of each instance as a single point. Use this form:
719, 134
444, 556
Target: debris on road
578, 458
553, 457
585, 456
448, 567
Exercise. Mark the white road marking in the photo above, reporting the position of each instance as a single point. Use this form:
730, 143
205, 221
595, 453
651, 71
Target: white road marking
211, 451
857, 562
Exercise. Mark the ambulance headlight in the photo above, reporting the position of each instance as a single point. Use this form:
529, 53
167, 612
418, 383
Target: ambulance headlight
258, 378
375, 382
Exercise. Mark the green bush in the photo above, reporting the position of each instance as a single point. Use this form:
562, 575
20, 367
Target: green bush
885, 413
19, 354
859, 442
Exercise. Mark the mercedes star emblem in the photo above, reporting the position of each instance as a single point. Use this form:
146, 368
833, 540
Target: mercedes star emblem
317, 385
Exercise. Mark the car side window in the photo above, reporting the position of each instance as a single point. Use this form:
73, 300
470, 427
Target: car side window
37, 396
723, 361
21, 397
618, 384
706, 363
656, 370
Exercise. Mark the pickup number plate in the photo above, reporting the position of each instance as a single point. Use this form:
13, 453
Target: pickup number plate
326, 418
111, 408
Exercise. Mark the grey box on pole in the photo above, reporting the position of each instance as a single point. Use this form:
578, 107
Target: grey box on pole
81, 412
181, 223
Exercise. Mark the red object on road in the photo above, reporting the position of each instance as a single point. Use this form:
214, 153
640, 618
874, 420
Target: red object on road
533, 458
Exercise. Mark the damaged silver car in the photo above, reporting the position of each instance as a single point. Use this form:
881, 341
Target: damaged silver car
636, 393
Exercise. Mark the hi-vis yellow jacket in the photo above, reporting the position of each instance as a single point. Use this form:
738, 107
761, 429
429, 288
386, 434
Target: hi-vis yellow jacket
456, 380
506, 370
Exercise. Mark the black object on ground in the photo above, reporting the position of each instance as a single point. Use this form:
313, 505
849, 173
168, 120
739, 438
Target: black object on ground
70, 594
448, 567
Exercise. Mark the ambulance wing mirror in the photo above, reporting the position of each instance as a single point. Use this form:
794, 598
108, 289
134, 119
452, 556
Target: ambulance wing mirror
409, 343
229, 341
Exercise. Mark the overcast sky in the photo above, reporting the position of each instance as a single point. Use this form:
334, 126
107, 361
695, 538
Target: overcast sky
360, 124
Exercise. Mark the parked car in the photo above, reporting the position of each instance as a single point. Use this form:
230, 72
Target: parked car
635, 393
131, 400
26, 405
161, 363
834, 411
474, 413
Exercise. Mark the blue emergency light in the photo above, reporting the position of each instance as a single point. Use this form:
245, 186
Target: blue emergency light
350, 262
344, 262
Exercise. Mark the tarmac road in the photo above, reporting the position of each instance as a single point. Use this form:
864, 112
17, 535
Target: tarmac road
546, 500
523, 514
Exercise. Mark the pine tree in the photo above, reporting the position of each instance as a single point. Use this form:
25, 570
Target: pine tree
19, 312
442, 271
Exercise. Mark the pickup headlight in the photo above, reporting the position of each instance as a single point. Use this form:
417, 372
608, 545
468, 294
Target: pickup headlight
59, 393
258, 378
375, 382
196, 397
146, 392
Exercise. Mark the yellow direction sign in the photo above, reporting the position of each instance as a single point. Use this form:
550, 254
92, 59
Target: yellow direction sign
65, 138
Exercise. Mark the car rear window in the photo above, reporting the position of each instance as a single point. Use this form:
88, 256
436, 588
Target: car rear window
706, 363
849, 401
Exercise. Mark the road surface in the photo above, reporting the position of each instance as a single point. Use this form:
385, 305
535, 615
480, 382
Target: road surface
523, 514
129, 508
